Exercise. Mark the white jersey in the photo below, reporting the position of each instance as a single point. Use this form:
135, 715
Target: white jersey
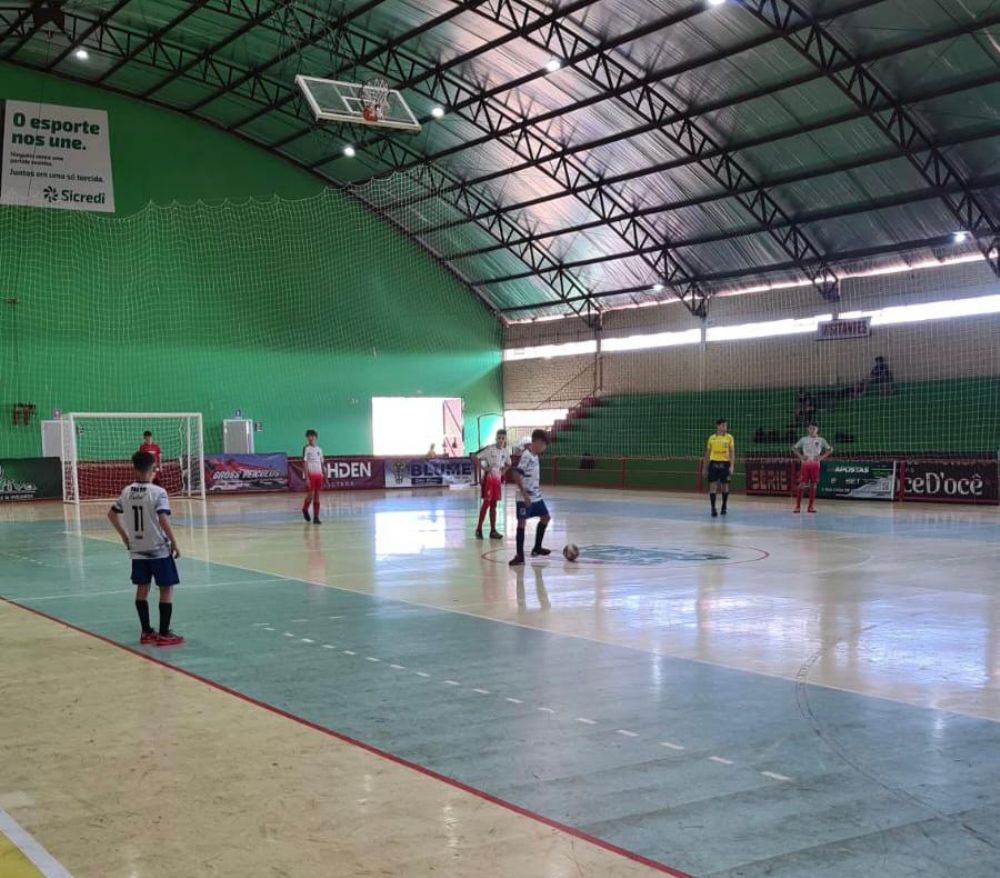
494, 460
812, 447
312, 459
141, 504
532, 474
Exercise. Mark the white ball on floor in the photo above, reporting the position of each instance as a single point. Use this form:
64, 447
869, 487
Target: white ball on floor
571, 552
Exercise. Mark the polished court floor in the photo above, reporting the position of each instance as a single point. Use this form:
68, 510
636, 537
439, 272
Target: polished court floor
765, 694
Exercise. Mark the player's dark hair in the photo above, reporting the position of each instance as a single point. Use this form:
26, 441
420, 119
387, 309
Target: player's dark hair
501, 432
311, 433
720, 421
147, 433
812, 424
539, 436
143, 461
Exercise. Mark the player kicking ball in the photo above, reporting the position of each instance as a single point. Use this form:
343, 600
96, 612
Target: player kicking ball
720, 461
312, 464
150, 541
494, 461
527, 477
812, 450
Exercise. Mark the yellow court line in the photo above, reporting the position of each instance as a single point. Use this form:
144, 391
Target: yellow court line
14, 864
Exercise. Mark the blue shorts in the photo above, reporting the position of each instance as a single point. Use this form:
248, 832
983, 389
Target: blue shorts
163, 570
538, 509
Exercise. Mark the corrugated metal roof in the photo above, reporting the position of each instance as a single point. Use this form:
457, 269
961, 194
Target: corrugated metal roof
693, 146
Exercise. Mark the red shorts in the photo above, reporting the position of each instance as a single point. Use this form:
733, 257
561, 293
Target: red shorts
809, 471
316, 481
492, 488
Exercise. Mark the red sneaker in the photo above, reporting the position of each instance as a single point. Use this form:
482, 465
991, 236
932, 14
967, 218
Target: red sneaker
810, 509
148, 637
797, 509
169, 639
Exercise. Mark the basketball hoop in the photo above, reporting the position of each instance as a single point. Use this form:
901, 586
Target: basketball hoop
374, 98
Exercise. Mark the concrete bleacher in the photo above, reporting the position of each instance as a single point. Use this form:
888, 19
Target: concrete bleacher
952, 415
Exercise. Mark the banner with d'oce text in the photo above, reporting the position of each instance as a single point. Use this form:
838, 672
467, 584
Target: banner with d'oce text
56, 157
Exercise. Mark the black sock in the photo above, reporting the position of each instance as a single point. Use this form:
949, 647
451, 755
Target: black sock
520, 542
725, 500
165, 612
712, 498
540, 534
142, 608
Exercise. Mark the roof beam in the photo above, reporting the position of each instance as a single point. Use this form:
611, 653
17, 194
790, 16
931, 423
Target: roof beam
772, 183
814, 42
735, 146
248, 24
938, 242
151, 40
77, 39
367, 50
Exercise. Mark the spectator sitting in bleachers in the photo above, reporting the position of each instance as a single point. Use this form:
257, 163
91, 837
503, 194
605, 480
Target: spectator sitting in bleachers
881, 377
805, 406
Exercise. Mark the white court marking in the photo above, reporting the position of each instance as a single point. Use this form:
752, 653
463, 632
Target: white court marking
26, 844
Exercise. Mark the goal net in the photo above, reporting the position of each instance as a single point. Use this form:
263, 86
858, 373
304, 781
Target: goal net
97, 449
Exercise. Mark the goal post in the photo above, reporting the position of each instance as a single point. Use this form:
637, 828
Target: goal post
97, 449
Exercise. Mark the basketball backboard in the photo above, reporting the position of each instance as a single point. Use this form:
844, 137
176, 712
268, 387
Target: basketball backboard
335, 101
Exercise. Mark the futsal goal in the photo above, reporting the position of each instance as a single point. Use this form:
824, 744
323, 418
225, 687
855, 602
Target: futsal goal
97, 449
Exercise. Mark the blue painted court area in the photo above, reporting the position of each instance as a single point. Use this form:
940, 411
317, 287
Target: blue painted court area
714, 771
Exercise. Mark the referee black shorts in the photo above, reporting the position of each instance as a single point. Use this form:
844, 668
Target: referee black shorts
718, 471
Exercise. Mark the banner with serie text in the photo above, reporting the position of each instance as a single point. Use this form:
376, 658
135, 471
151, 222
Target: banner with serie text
341, 474
427, 472
229, 473
56, 157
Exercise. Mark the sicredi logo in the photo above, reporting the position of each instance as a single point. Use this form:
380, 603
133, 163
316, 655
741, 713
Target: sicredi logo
73, 197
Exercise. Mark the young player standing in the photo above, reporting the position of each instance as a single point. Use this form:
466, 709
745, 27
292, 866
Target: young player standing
720, 461
149, 446
147, 535
312, 465
812, 450
527, 476
494, 461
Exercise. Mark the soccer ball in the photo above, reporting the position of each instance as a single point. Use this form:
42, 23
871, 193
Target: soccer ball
571, 552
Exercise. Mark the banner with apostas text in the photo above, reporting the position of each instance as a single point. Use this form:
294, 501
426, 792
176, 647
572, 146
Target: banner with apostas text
56, 157
857, 480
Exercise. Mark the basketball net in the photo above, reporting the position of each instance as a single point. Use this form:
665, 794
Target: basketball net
374, 98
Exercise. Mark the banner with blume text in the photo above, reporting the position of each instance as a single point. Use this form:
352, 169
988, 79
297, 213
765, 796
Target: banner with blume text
56, 157
427, 472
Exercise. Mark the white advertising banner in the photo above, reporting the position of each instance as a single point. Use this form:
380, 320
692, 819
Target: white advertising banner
57, 157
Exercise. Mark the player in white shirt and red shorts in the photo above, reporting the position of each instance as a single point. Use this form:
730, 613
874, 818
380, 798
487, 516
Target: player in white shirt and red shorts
312, 468
494, 461
812, 450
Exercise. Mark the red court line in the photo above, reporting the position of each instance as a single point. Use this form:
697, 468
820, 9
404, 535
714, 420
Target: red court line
382, 754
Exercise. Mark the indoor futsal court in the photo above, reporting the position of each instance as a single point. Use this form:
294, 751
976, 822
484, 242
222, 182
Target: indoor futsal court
505, 439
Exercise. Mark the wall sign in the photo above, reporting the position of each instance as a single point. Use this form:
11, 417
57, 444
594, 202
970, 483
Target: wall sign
56, 157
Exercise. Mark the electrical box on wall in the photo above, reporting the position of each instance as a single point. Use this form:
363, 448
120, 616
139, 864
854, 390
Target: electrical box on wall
237, 436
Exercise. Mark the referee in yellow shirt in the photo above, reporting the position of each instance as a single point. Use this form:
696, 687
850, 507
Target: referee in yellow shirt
720, 461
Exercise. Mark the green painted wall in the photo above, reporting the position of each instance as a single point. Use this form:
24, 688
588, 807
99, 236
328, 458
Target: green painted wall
296, 310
